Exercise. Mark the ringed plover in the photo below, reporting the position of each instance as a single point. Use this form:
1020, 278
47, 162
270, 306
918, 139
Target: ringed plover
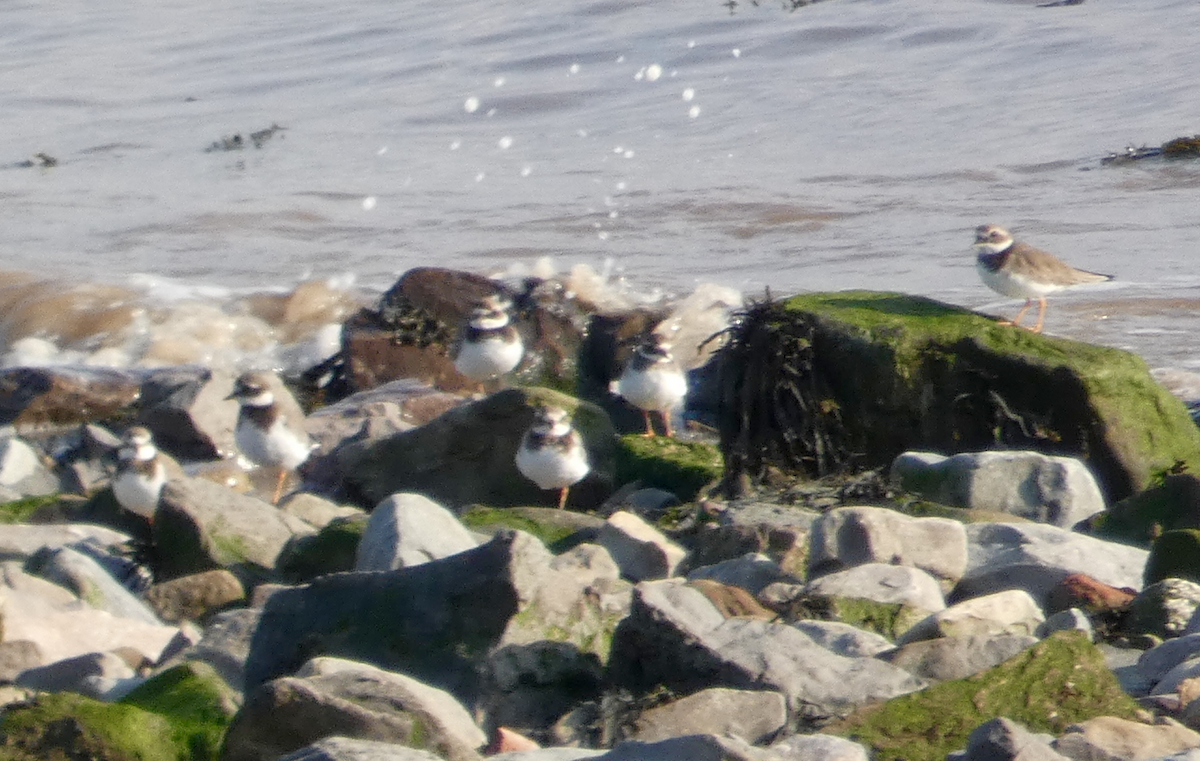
552, 454
263, 433
653, 381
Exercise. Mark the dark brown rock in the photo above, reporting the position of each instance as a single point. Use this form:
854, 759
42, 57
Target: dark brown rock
1082, 591
42, 396
467, 455
195, 597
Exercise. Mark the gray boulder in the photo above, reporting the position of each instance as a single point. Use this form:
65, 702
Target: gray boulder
948, 658
1108, 737
335, 697
1012, 611
845, 639
641, 551
201, 525
528, 687
409, 529
467, 455
706, 747
850, 536
63, 626
1157, 661
753, 715
1005, 740
354, 749
752, 572
882, 583
1071, 619
104, 676
676, 637
438, 621
21, 541
22, 469
225, 645
89, 581
818, 747
1060, 491
1037, 558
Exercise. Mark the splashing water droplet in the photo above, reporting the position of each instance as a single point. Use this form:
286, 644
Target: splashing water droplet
689, 94
368, 203
693, 112
505, 143
471, 105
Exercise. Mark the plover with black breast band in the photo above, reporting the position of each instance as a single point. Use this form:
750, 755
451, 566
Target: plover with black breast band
1021, 271
264, 434
141, 475
489, 345
653, 381
552, 454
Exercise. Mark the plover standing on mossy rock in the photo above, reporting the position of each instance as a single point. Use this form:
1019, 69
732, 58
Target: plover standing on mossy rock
1021, 271
653, 381
489, 345
552, 454
140, 475
263, 433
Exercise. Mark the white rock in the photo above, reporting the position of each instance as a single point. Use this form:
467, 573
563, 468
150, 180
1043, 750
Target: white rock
1036, 557
1012, 611
883, 583
641, 551
409, 529
1060, 491
850, 536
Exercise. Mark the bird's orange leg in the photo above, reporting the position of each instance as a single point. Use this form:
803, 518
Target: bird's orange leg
1016, 321
562, 497
1041, 314
666, 416
279, 486
649, 425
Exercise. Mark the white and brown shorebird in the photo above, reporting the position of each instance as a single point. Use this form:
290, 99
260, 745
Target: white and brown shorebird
264, 434
1021, 271
653, 381
141, 475
552, 454
489, 345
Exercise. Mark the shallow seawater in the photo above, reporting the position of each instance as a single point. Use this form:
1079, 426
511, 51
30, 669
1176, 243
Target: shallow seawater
845, 144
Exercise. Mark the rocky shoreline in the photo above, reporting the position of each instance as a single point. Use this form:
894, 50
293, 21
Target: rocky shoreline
893, 530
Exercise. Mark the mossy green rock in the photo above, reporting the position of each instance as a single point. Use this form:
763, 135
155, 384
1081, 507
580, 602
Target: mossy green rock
468, 455
1173, 504
1174, 555
68, 726
680, 467
1055, 683
331, 550
827, 382
887, 619
559, 530
196, 701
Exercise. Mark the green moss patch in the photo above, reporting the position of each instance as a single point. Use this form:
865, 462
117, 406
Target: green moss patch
19, 511
680, 467
69, 726
555, 529
198, 704
1055, 683
887, 619
331, 550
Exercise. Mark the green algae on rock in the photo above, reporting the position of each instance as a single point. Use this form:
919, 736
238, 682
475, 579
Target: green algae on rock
680, 467
1057, 682
198, 704
330, 550
559, 530
834, 382
65, 725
